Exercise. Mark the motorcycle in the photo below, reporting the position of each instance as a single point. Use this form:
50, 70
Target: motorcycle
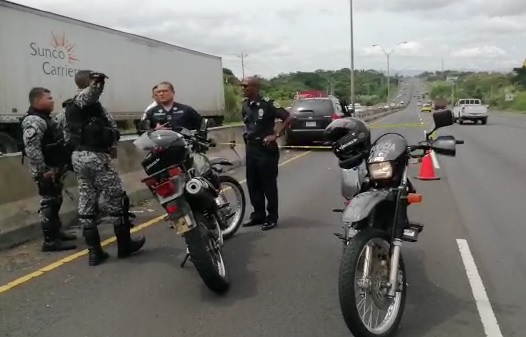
190, 186
375, 225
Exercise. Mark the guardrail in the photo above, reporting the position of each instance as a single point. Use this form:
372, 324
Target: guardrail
18, 194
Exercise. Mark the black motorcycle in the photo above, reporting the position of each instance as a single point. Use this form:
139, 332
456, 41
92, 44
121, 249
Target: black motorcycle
191, 187
372, 271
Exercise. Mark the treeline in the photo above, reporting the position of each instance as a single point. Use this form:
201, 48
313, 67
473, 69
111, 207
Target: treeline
370, 86
495, 89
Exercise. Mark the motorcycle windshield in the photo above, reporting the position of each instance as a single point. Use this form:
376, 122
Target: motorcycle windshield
154, 139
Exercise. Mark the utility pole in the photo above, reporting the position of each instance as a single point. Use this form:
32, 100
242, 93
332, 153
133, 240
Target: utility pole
442, 66
242, 57
351, 31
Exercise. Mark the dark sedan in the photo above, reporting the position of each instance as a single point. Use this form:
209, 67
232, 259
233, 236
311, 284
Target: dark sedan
311, 117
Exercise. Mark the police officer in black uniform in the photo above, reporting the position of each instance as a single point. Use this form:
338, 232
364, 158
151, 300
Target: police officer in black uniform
262, 152
168, 114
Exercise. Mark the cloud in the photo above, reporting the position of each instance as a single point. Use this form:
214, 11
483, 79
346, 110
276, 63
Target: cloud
282, 36
490, 52
404, 5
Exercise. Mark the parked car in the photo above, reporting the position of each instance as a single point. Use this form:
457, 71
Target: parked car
311, 117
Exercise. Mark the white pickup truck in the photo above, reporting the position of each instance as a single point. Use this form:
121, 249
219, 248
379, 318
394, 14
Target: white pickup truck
470, 109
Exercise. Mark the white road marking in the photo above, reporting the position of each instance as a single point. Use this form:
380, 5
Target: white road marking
486, 313
436, 165
435, 160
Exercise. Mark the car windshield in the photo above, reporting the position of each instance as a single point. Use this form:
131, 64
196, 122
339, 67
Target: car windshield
154, 139
318, 106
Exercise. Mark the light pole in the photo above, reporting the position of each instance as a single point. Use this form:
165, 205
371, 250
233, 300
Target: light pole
388, 56
353, 93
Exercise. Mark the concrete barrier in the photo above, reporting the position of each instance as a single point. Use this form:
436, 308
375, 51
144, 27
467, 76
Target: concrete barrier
19, 200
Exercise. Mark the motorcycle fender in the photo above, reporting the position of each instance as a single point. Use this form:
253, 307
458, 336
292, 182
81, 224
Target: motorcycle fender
361, 205
220, 161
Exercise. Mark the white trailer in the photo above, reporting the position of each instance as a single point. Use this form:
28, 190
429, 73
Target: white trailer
39, 48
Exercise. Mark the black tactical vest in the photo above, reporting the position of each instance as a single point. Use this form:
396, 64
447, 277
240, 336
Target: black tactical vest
50, 139
89, 128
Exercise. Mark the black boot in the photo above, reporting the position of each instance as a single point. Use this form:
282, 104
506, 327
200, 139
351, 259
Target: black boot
95, 253
52, 241
125, 244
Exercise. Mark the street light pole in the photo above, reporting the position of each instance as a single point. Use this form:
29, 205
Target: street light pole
353, 93
388, 56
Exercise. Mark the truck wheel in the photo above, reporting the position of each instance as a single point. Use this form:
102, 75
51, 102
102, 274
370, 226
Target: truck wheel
7, 144
460, 121
484, 121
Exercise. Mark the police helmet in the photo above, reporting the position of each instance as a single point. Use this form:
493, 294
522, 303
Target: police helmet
350, 137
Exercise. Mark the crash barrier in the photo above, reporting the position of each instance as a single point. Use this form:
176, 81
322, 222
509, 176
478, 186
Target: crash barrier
18, 194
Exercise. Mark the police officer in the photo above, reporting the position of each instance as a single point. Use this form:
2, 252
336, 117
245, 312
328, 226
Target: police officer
41, 138
262, 152
168, 114
93, 133
154, 103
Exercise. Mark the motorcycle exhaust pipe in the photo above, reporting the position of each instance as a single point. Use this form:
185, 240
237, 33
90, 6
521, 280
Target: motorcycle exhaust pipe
199, 190
196, 186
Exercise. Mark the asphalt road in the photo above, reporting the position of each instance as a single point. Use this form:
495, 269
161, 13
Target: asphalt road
489, 189
285, 280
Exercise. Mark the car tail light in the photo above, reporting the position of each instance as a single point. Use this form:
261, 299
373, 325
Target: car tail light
335, 116
166, 189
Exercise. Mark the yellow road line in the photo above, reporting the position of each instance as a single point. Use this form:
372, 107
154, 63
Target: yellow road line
72, 257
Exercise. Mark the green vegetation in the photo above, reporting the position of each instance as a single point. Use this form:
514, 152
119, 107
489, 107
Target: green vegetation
492, 88
370, 87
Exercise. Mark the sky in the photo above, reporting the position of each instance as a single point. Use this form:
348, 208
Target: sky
304, 35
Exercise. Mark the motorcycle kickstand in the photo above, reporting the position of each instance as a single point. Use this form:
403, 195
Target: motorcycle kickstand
186, 257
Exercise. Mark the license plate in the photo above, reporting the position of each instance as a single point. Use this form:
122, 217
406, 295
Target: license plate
310, 124
183, 225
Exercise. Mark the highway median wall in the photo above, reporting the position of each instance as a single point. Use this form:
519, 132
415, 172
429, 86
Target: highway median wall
19, 200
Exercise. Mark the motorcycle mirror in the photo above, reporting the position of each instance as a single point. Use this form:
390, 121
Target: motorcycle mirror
442, 118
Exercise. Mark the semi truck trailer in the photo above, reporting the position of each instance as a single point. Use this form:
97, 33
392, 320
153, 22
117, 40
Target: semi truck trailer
43, 49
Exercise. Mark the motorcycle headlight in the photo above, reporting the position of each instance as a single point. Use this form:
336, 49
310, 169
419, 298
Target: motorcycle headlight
379, 171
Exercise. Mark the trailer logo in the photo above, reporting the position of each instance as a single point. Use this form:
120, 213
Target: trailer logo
59, 56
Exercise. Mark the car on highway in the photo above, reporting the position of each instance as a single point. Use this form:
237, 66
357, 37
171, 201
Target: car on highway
427, 108
470, 109
311, 117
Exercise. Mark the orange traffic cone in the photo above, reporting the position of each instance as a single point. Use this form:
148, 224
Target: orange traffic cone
427, 169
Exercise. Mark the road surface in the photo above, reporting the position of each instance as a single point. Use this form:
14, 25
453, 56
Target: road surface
284, 281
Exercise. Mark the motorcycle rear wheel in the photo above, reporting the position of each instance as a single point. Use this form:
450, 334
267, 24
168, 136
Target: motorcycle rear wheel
351, 287
237, 219
207, 256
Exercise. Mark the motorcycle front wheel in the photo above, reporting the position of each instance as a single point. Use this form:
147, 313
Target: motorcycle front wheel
362, 286
207, 256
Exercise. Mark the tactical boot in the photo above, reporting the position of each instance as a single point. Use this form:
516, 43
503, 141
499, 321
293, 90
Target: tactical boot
52, 241
125, 244
95, 253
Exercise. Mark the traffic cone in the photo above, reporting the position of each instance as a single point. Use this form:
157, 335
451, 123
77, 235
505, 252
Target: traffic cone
427, 169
